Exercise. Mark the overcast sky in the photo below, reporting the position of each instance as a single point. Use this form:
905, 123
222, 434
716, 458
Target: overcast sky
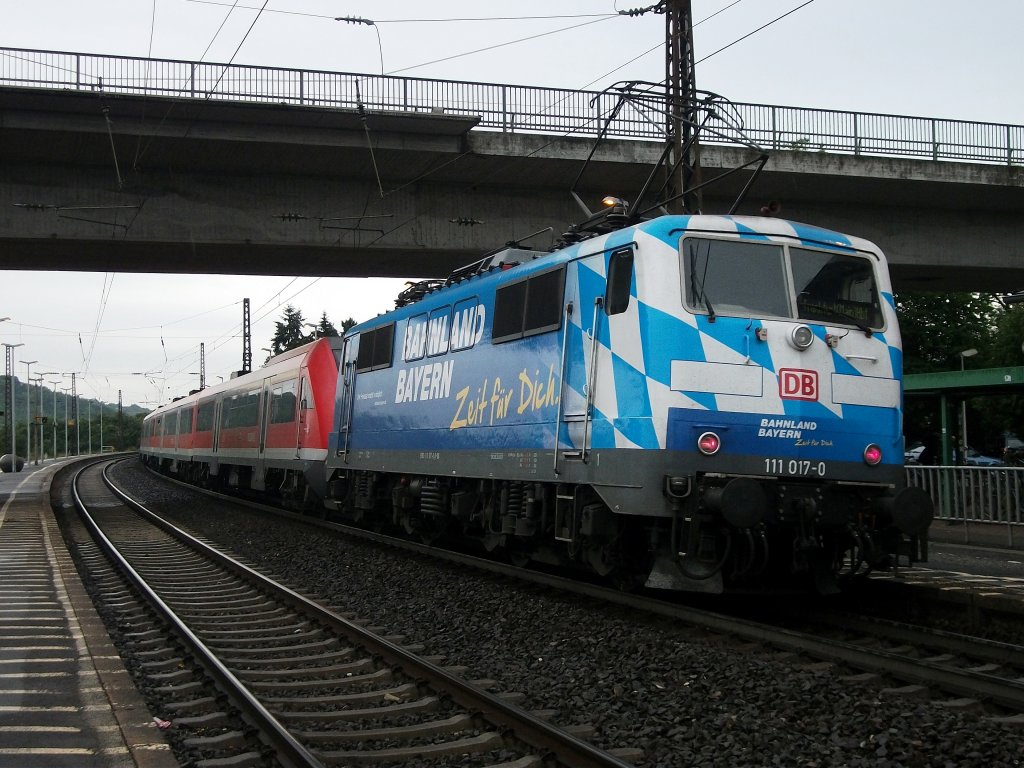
913, 57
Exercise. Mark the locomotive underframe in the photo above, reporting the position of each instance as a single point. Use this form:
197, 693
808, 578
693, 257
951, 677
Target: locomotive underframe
671, 525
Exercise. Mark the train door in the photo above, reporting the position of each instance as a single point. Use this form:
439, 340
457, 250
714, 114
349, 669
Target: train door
346, 386
305, 397
601, 291
265, 415
259, 472
300, 389
218, 408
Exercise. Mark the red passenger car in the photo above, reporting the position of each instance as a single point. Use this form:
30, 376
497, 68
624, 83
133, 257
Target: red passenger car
266, 430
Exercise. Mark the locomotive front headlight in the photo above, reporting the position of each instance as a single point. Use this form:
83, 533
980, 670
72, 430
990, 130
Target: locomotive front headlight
872, 455
801, 337
708, 443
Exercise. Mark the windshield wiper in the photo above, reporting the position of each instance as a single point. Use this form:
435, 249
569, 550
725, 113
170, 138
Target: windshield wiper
700, 295
707, 303
828, 313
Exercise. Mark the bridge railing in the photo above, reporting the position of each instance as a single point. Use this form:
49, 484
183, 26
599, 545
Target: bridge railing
510, 108
974, 494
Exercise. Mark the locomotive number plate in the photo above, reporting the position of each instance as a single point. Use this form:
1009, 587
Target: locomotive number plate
795, 467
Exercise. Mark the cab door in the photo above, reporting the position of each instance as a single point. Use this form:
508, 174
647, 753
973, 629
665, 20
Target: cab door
601, 291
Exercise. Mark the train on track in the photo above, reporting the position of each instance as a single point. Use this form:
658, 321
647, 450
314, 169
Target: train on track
694, 402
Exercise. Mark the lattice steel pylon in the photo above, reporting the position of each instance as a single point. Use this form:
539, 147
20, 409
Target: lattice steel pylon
246, 338
682, 114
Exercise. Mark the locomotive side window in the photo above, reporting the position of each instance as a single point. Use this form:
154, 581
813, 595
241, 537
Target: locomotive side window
468, 320
732, 277
415, 345
835, 288
509, 304
375, 348
544, 302
438, 330
620, 281
528, 307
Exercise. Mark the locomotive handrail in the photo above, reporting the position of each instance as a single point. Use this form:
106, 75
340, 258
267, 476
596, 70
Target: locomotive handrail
510, 108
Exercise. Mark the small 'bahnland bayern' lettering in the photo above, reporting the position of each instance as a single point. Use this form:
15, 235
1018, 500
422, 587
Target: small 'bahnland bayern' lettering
785, 428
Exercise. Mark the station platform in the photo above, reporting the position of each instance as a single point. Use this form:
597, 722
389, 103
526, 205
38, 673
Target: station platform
66, 700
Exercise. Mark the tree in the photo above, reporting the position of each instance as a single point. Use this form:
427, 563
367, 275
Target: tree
288, 333
324, 328
1005, 412
937, 326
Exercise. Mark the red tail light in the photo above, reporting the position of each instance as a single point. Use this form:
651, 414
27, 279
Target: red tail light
708, 443
872, 455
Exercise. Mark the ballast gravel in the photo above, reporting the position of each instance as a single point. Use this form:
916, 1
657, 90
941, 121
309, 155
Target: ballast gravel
683, 698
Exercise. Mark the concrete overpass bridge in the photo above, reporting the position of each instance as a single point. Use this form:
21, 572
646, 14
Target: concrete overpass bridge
127, 164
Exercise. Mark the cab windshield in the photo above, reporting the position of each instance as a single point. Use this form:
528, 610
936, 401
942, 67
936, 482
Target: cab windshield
759, 279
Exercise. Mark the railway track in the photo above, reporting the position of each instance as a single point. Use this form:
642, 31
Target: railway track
904, 659
318, 688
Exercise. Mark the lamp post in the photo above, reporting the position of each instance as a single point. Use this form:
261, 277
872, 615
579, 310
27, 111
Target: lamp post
10, 396
28, 407
42, 410
54, 425
37, 421
65, 390
78, 427
963, 404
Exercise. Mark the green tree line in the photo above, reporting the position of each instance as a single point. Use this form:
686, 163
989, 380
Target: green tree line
291, 330
97, 424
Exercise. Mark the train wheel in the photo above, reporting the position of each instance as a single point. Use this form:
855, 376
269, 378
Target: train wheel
429, 529
519, 553
625, 561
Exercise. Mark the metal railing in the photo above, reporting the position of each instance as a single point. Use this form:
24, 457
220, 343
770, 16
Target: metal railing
509, 108
974, 494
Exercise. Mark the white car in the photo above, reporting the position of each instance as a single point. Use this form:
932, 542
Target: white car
913, 455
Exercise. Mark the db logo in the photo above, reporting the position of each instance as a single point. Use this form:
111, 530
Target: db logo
798, 384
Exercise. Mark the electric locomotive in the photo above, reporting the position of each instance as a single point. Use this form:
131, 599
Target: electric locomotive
696, 402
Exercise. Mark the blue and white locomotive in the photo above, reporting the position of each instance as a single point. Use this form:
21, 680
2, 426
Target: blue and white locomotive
695, 402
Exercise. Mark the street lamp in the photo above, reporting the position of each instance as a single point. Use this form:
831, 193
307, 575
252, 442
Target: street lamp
54, 425
963, 404
65, 390
42, 410
38, 423
28, 407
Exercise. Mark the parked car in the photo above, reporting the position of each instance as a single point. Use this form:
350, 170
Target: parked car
975, 459
913, 454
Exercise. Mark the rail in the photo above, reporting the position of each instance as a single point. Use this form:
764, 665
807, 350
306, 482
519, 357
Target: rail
992, 495
508, 108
